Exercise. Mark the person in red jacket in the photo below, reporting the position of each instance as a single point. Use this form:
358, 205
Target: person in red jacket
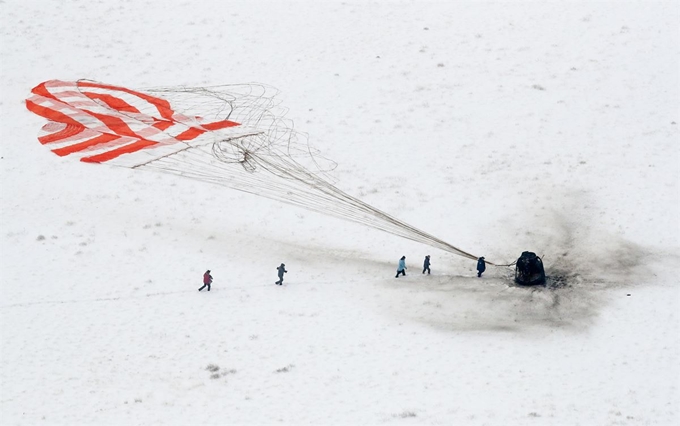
207, 280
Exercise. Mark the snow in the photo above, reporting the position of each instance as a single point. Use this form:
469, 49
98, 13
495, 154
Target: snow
498, 127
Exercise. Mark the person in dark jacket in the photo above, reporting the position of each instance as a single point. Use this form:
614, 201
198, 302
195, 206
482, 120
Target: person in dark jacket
282, 270
401, 268
426, 265
207, 280
481, 266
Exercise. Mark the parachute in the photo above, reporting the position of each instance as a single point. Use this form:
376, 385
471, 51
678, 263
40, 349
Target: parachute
230, 135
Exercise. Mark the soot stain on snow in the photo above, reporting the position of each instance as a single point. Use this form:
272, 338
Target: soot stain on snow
585, 255
470, 304
576, 248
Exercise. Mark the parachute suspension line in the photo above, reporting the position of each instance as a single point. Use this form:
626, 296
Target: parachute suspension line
268, 159
273, 175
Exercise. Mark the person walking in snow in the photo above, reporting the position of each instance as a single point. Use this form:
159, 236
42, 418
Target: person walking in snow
481, 266
207, 280
282, 270
426, 265
401, 269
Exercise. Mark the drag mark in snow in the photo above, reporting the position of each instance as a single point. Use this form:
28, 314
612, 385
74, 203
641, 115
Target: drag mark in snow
101, 299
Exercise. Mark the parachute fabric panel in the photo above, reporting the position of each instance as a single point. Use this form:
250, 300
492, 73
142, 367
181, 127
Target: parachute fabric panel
231, 135
102, 122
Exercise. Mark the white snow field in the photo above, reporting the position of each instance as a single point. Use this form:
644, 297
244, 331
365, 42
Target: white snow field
498, 127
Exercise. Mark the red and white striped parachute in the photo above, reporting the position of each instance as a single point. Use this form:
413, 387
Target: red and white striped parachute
232, 135
100, 122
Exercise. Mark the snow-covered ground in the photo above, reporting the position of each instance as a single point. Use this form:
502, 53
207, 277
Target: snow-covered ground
498, 127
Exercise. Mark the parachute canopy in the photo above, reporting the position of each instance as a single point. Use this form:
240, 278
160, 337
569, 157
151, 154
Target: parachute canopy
100, 122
